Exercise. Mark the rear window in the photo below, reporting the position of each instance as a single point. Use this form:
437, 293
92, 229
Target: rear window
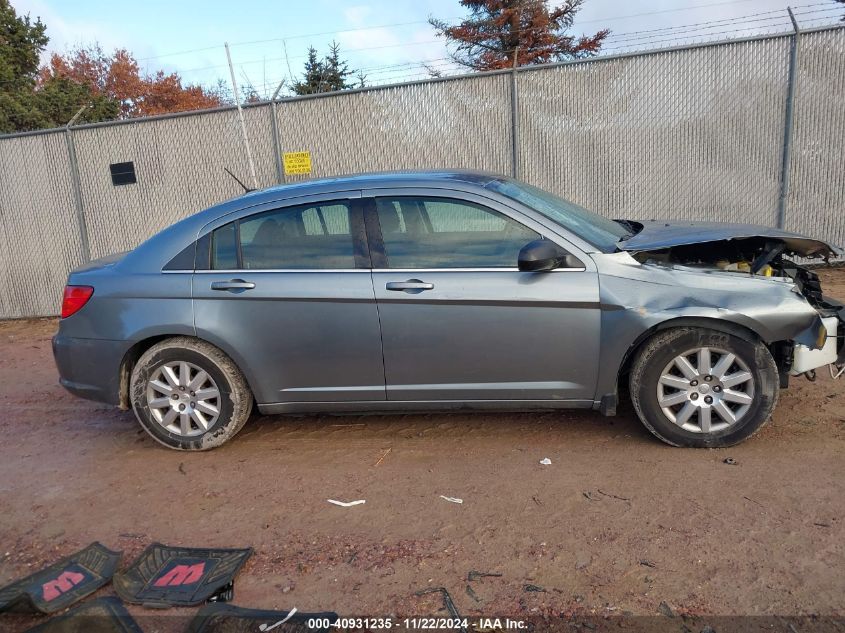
302, 237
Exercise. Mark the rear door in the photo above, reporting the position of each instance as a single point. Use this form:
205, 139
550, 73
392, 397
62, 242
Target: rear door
288, 294
459, 321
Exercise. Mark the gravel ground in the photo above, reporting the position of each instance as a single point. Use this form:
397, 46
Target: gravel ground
618, 523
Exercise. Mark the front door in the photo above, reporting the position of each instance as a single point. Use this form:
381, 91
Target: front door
460, 322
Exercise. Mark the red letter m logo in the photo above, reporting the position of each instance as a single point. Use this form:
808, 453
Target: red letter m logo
64, 583
181, 575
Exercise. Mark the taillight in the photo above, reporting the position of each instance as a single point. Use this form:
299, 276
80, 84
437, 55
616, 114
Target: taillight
75, 297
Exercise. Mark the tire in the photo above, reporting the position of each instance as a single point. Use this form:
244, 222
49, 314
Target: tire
191, 380
685, 407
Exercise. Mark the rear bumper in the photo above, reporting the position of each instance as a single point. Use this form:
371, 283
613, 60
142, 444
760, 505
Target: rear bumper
90, 368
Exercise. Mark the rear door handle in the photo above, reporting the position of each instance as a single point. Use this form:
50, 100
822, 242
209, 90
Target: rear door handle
232, 284
412, 286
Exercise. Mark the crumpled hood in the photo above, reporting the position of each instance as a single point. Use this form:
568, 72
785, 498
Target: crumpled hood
657, 235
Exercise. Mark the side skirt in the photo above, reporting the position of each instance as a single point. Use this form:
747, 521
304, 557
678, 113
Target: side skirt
420, 406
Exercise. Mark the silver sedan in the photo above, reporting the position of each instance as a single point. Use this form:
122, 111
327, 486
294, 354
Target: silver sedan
448, 290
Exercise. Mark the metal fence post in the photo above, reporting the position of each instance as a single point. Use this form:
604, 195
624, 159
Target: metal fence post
514, 118
241, 117
788, 120
76, 186
274, 130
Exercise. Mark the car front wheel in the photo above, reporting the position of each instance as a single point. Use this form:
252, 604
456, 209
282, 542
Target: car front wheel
189, 395
702, 388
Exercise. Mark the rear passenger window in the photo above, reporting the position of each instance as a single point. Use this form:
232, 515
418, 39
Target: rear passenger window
448, 233
303, 237
224, 248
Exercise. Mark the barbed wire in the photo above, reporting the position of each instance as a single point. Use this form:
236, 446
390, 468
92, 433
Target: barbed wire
760, 22
415, 22
426, 21
811, 14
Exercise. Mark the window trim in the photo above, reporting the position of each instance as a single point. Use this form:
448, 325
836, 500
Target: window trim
513, 269
278, 270
369, 237
378, 256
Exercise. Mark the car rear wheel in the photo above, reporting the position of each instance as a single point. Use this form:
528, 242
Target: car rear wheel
702, 388
189, 395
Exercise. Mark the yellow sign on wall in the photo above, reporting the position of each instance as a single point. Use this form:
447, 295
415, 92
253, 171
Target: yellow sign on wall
297, 163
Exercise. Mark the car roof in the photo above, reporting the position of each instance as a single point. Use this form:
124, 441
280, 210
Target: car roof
379, 180
157, 250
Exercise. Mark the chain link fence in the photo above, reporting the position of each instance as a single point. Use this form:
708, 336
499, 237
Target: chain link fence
815, 202
692, 134
695, 132
462, 123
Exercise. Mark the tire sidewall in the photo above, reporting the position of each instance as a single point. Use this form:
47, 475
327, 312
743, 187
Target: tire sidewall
754, 355
147, 366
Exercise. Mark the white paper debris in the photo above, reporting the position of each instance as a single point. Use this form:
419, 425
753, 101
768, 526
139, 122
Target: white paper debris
347, 504
452, 499
546, 461
269, 627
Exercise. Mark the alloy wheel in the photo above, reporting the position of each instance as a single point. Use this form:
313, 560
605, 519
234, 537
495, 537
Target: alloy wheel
183, 398
705, 390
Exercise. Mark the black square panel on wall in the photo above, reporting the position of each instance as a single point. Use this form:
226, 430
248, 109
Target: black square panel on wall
122, 173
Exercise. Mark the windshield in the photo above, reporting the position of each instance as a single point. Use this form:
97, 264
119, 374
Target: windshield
591, 227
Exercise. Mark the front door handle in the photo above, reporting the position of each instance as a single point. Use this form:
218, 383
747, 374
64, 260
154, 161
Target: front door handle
232, 284
412, 286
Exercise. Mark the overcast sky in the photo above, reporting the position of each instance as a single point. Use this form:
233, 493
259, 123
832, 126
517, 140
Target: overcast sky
154, 30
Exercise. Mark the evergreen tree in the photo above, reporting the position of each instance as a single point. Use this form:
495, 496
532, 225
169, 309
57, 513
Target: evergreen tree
325, 75
312, 79
336, 70
361, 78
21, 44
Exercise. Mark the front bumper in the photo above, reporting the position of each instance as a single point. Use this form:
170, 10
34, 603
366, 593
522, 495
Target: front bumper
805, 359
90, 368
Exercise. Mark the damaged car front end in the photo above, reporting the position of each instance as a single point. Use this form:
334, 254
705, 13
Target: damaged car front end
741, 279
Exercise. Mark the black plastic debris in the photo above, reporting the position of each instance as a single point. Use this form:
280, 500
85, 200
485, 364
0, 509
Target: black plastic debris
62, 583
475, 575
471, 593
227, 618
165, 576
105, 615
447, 602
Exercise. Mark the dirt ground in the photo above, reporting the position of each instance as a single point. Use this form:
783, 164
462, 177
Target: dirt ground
618, 523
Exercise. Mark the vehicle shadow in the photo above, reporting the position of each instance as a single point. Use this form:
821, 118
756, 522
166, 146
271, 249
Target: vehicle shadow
477, 425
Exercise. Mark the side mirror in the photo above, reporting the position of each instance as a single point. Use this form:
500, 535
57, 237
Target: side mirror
544, 255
